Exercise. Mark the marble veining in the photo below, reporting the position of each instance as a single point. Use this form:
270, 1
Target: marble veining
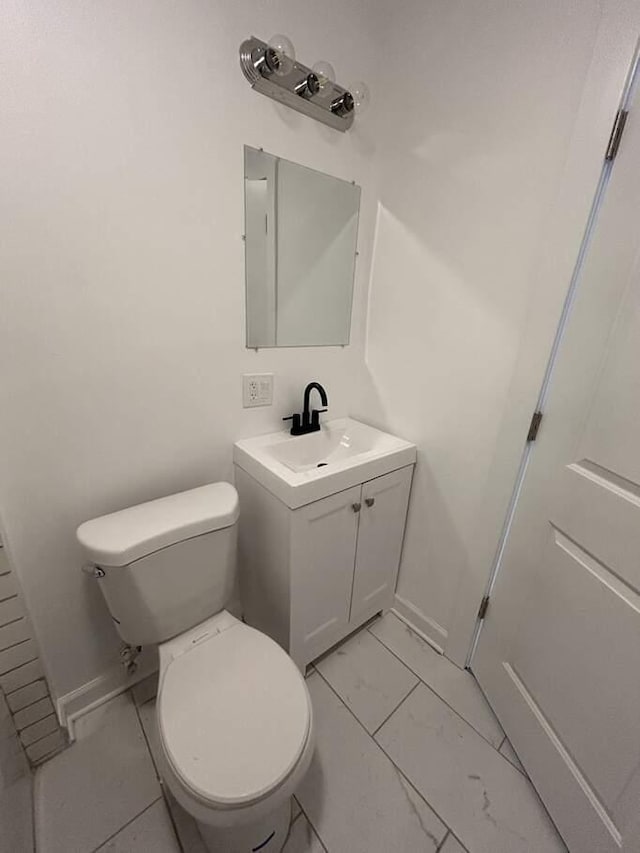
409, 758
456, 687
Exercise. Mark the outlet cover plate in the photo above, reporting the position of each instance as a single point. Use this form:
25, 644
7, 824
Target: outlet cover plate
257, 390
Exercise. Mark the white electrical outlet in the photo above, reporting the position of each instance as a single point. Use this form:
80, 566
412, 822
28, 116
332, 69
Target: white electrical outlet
257, 389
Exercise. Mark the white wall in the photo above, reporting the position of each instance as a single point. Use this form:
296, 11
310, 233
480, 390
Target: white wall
122, 276
122, 323
562, 232
481, 99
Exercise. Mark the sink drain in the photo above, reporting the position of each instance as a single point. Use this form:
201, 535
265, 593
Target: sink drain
322, 464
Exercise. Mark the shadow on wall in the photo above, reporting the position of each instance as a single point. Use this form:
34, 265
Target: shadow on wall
459, 200
439, 353
470, 160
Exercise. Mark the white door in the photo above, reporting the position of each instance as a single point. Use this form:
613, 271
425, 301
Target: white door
323, 551
559, 653
382, 522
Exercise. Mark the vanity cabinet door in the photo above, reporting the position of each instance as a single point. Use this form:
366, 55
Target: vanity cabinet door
382, 522
323, 549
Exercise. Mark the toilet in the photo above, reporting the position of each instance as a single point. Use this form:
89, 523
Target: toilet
233, 711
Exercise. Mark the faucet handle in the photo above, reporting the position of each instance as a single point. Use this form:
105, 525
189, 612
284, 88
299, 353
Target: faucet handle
315, 418
295, 426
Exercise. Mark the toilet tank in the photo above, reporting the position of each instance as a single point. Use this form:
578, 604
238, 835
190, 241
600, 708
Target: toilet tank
166, 565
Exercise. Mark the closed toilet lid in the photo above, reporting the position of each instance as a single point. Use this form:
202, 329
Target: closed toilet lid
234, 716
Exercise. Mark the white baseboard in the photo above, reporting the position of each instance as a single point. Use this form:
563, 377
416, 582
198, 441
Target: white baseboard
422, 624
99, 690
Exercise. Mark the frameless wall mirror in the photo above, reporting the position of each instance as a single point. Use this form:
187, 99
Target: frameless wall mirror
301, 230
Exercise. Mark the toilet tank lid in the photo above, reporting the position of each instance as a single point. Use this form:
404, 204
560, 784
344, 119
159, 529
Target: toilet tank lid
121, 537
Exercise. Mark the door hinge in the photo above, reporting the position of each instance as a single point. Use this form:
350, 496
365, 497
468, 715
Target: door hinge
616, 134
484, 605
534, 426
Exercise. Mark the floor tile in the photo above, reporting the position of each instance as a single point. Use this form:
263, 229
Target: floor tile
88, 792
92, 722
489, 805
368, 678
355, 798
17, 828
510, 754
150, 831
456, 686
452, 845
302, 838
295, 809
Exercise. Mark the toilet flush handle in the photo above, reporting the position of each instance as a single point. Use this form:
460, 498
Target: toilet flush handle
93, 571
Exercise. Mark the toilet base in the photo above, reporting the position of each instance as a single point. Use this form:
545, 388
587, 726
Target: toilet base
266, 835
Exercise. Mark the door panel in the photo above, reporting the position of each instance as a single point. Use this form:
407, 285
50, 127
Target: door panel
380, 543
600, 510
611, 435
323, 549
578, 598
559, 653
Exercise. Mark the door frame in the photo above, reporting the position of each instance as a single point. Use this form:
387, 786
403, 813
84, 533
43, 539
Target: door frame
613, 60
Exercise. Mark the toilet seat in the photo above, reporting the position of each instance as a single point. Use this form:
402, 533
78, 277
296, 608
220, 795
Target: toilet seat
234, 717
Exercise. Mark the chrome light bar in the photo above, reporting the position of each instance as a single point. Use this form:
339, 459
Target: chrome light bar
291, 83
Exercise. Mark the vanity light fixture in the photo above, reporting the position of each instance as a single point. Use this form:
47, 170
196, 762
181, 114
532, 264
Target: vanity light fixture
272, 70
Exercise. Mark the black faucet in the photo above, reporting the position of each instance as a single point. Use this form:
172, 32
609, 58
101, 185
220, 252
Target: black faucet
309, 421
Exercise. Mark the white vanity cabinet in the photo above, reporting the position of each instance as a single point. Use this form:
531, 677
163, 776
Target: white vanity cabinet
311, 575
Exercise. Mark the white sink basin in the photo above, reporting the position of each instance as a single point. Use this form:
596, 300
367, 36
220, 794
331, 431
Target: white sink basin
305, 468
334, 443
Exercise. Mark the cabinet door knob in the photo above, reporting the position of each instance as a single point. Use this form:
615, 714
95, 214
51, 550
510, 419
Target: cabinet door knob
369, 501
356, 507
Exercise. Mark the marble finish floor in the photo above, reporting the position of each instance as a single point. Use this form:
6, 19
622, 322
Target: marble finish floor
409, 758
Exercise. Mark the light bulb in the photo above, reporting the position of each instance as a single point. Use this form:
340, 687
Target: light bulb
285, 53
326, 75
361, 96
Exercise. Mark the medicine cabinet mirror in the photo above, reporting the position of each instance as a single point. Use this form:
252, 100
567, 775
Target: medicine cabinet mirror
301, 230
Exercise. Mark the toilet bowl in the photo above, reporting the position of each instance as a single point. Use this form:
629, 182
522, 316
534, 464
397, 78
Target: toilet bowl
235, 725
233, 711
